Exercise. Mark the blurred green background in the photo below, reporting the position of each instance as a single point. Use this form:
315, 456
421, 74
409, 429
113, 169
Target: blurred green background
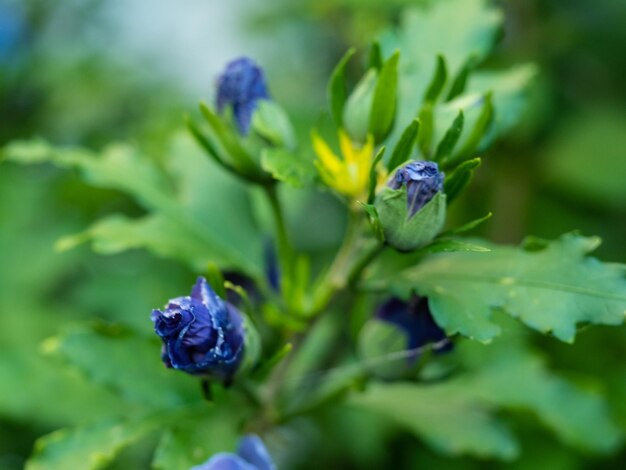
88, 72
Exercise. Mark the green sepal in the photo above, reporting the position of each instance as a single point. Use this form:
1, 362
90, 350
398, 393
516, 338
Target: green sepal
479, 131
374, 175
460, 178
467, 226
337, 88
272, 123
383, 111
427, 128
438, 81
374, 220
357, 110
460, 81
404, 147
408, 233
252, 347
450, 139
239, 157
375, 59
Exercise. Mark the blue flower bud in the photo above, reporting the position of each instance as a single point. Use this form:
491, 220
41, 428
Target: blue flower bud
202, 334
422, 180
240, 86
251, 455
416, 321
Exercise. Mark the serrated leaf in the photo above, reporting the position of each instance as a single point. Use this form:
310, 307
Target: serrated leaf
460, 178
288, 167
337, 88
104, 359
450, 139
383, 111
443, 415
403, 149
551, 290
88, 447
184, 209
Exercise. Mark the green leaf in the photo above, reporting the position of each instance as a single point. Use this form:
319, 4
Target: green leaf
379, 339
479, 131
551, 290
444, 415
460, 178
239, 156
103, 357
337, 88
88, 447
272, 123
358, 108
403, 149
460, 81
449, 141
207, 143
426, 131
288, 167
408, 233
374, 220
383, 110
180, 211
438, 81
449, 246
373, 177
517, 379
470, 28
198, 436
375, 56
468, 226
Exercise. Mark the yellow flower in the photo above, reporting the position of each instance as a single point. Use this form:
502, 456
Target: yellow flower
348, 175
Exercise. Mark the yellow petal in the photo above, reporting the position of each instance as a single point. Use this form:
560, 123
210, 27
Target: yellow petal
327, 158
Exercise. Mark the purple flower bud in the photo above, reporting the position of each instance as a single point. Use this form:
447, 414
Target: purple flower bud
251, 455
422, 180
202, 334
240, 86
415, 319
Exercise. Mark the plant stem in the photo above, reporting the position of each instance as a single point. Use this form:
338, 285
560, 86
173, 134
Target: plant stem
284, 249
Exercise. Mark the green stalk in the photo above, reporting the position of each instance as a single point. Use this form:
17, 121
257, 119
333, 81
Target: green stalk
284, 249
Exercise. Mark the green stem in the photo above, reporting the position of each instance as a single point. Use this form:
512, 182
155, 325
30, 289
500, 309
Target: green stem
366, 258
284, 249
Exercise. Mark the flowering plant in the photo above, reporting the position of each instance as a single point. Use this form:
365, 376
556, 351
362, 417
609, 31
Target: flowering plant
395, 316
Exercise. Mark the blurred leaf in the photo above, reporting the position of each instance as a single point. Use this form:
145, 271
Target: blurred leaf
358, 108
551, 290
291, 168
379, 339
438, 81
405, 146
375, 56
272, 122
448, 246
197, 436
183, 210
450, 139
459, 415
87, 447
337, 88
383, 111
471, 28
373, 174
445, 416
117, 360
460, 178
587, 159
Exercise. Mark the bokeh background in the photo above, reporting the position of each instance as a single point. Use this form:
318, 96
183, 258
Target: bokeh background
88, 72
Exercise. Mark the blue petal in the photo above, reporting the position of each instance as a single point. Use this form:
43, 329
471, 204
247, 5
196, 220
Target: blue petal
225, 461
252, 449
